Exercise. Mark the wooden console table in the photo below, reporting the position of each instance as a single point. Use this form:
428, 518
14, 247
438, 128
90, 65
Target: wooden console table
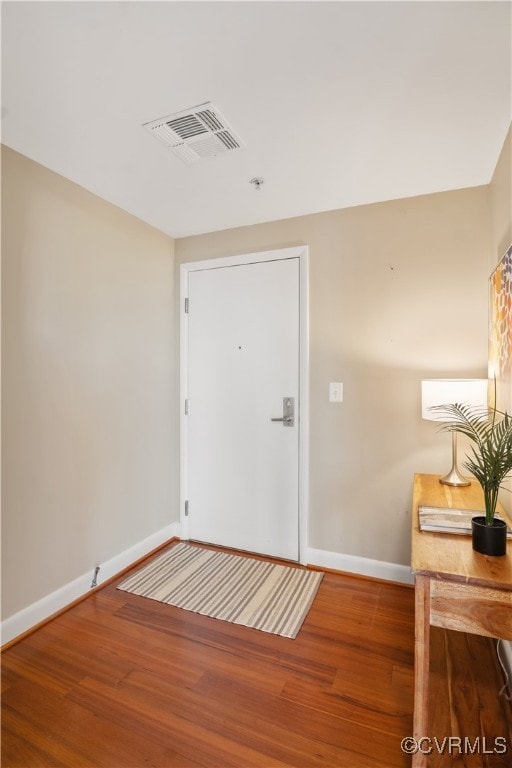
455, 587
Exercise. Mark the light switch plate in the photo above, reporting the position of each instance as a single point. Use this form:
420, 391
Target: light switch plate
336, 392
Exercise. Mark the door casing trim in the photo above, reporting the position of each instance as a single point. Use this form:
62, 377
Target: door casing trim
302, 253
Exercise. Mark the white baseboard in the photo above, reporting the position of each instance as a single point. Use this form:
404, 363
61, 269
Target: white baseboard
33, 614
361, 566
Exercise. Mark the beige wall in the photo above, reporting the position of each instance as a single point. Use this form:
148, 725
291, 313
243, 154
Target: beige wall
398, 291
501, 202
87, 403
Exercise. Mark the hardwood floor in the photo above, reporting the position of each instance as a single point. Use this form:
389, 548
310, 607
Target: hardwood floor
120, 681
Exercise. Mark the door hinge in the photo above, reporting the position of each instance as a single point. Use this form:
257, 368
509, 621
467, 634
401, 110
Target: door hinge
186, 306
186, 407
186, 508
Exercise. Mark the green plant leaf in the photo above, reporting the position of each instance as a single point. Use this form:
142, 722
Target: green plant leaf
490, 458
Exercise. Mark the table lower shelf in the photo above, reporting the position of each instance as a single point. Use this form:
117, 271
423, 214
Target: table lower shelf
465, 678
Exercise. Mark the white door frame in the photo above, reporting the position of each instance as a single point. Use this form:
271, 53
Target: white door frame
300, 252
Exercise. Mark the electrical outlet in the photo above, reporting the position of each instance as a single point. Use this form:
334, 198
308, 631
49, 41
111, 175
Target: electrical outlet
335, 392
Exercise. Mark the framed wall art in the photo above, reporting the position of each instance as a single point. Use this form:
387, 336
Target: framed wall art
500, 333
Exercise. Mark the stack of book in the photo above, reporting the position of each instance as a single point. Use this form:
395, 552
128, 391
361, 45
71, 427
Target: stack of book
450, 520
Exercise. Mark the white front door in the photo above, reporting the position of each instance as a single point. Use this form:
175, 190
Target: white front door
243, 362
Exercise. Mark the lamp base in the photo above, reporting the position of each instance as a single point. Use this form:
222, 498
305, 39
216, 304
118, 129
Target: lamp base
453, 478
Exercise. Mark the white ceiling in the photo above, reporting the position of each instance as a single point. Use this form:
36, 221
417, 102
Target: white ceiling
338, 103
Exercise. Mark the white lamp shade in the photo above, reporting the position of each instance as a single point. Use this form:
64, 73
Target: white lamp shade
472, 392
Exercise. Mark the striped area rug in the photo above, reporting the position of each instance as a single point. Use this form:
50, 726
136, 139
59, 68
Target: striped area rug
266, 596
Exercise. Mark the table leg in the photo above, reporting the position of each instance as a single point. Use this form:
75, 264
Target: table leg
421, 664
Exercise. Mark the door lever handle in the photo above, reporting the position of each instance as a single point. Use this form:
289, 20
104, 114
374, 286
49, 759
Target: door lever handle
288, 417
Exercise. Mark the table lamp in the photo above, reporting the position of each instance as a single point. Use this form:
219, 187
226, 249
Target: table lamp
435, 392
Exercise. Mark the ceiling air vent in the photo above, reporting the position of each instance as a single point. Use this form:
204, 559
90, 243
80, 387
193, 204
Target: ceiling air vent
196, 133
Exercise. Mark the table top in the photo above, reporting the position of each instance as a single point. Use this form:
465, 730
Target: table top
451, 556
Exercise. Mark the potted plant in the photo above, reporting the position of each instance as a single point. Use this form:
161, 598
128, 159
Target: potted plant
490, 461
